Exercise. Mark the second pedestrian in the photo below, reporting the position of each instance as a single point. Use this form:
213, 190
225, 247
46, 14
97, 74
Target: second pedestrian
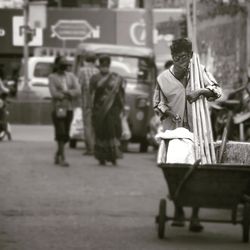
86, 72
107, 89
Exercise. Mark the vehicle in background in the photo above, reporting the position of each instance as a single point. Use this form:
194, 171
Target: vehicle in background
137, 66
39, 68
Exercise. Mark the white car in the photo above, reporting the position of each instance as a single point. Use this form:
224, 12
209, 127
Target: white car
39, 68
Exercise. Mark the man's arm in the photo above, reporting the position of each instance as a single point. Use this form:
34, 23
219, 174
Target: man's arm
211, 90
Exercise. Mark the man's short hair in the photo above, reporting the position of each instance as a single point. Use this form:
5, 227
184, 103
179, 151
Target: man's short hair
181, 45
90, 57
104, 60
168, 64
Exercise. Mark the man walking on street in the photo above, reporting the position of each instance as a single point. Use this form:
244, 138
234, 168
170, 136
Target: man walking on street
88, 70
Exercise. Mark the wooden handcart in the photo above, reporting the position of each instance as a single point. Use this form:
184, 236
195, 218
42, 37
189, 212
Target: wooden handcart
217, 186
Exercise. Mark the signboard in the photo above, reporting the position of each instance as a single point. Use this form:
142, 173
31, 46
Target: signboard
74, 30
137, 33
131, 30
38, 14
18, 33
67, 28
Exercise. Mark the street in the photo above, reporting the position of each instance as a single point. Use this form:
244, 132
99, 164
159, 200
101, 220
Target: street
87, 206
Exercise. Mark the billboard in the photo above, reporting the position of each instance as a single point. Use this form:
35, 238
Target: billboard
65, 27
131, 29
69, 27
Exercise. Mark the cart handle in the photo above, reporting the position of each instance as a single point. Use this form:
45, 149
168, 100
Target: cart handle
185, 178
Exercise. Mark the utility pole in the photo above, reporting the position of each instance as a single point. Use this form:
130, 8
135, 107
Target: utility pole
194, 30
189, 19
26, 46
148, 5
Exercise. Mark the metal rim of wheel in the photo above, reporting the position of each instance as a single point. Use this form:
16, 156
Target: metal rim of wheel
162, 218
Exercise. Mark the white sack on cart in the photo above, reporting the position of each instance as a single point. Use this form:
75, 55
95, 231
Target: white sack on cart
180, 147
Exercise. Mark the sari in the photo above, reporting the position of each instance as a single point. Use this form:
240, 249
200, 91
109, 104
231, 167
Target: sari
108, 102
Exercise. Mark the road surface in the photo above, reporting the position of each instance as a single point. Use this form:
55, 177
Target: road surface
87, 206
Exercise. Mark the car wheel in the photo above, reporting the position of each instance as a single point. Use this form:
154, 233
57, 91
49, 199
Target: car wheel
72, 143
144, 145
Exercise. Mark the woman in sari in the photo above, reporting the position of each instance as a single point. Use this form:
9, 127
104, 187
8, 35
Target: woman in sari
107, 91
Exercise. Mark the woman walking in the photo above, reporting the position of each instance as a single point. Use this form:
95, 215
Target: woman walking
107, 91
65, 92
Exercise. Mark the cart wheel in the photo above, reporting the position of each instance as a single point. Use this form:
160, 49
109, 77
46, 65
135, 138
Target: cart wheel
246, 222
162, 218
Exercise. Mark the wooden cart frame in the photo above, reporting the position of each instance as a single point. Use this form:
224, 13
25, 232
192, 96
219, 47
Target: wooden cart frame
219, 186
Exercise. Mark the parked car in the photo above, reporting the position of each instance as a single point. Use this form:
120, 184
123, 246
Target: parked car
39, 68
137, 66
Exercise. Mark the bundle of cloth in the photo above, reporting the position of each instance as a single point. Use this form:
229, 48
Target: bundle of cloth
176, 146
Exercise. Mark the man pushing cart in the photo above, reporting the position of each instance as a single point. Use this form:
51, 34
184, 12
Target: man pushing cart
172, 100
187, 153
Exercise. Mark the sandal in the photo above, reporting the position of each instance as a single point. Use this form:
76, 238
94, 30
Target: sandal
195, 226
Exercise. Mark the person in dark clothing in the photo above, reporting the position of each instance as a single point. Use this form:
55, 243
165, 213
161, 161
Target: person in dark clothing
107, 91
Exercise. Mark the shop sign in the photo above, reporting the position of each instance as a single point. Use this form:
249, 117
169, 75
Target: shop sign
74, 30
18, 33
137, 33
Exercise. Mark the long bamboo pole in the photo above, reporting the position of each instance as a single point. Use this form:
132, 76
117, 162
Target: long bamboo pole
194, 117
202, 114
198, 107
189, 21
203, 158
208, 117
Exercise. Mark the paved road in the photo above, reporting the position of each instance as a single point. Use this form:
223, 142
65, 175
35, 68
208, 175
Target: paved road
86, 206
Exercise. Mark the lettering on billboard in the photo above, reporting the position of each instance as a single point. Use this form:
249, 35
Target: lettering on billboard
2, 32
74, 30
138, 34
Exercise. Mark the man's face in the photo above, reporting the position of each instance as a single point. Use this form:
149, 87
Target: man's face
104, 69
63, 65
182, 60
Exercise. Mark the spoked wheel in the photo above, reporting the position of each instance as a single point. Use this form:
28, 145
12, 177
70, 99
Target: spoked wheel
246, 222
161, 219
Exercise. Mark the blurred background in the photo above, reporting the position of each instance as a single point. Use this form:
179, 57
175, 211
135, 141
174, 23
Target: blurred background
28, 46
